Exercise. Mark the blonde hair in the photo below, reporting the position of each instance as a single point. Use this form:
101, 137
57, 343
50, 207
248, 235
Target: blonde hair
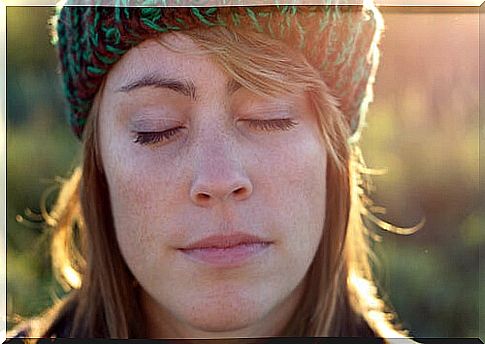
341, 296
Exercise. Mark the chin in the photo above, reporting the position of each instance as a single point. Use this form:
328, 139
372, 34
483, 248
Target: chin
219, 326
225, 317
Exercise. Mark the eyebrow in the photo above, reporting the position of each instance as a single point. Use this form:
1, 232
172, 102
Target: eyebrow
187, 87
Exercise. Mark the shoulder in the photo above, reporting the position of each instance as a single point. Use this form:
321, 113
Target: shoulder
62, 326
359, 328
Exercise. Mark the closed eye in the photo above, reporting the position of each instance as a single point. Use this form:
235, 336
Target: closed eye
152, 137
271, 124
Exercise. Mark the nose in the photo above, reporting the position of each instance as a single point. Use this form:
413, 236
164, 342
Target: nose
219, 177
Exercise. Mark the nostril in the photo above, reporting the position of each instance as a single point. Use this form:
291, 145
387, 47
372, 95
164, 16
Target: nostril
239, 191
203, 196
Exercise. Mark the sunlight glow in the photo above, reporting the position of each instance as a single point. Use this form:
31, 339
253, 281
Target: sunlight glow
72, 276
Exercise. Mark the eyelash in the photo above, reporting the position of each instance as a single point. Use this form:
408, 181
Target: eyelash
272, 124
152, 137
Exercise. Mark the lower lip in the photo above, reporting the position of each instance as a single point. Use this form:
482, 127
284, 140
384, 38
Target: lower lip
226, 257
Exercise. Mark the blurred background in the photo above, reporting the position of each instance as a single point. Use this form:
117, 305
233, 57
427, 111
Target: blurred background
423, 128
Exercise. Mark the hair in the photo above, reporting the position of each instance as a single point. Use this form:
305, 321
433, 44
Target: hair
341, 296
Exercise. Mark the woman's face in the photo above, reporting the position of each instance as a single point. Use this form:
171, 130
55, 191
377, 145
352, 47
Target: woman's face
217, 193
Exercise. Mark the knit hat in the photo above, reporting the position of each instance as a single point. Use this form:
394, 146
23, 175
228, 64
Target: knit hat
339, 41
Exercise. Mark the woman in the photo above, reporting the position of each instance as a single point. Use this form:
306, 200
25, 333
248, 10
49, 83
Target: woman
220, 193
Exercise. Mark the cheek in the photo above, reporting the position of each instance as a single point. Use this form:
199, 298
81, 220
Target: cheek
144, 198
292, 185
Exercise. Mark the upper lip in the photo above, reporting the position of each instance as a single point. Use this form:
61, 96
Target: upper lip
225, 241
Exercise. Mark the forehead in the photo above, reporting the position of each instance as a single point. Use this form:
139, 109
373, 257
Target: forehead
179, 58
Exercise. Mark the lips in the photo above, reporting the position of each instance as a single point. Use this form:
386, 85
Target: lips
225, 241
226, 250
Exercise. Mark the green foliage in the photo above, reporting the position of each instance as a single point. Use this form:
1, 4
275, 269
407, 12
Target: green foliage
34, 159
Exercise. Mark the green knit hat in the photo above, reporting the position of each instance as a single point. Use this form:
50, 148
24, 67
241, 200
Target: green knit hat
339, 41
